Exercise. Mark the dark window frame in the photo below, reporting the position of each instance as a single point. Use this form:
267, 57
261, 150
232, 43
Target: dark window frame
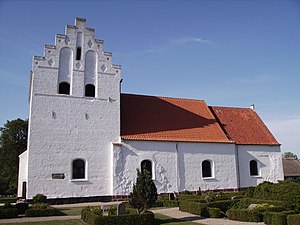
90, 90
78, 53
253, 166
147, 164
78, 169
64, 88
207, 170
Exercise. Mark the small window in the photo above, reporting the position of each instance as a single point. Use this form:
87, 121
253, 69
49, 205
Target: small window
90, 90
78, 53
206, 168
147, 165
253, 168
64, 88
78, 169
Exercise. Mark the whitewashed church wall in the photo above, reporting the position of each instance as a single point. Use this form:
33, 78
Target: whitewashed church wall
66, 127
269, 161
22, 177
177, 166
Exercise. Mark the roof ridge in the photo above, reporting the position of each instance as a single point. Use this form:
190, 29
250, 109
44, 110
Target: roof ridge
167, 97
230, 107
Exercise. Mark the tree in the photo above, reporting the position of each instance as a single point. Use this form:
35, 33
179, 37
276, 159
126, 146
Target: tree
290, 155
144, 193
13, 142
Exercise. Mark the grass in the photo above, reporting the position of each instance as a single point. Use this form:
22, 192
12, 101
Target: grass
162, 219
71, 211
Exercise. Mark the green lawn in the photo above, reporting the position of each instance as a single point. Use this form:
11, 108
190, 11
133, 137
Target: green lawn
162, 219
71, 211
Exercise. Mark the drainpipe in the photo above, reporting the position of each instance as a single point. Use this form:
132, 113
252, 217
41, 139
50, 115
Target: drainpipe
237, 167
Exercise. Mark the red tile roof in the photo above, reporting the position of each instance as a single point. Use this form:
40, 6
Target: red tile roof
243, 126
168, 119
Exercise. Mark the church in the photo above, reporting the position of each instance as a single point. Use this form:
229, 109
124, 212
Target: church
86, 139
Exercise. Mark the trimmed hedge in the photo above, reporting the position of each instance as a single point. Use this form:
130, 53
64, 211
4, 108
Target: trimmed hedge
43, 212
171, 203
293, 219
245, 215
138, 219
201, 208
166, 203
7, 213
214, 212
288, 191
194, 208
277, 218
88, 216
223, 205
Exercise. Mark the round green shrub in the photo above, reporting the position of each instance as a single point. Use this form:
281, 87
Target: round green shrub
40, 198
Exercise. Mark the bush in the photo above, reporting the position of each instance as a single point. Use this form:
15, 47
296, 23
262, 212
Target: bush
249, 192
288, 191
39, 198
191, 197
171, 203
245, 215
88, 216
201, 208
214, 212
138, 219
223, 205
41, 206
34, 212
276, 218
144, 193
7, 213
194, 208
22, 207
293, 219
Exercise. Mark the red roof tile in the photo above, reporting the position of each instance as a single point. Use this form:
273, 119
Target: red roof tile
243, 126
168, 119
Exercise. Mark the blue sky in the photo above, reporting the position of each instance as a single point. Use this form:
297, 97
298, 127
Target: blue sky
229, 53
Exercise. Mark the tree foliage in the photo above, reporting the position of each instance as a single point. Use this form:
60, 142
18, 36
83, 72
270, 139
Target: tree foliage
144, 193
13, 142
290, 155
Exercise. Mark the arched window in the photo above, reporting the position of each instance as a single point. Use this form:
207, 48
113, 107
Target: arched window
64, 88
78, 169
146, 165
207, 168
90, 90
253, 168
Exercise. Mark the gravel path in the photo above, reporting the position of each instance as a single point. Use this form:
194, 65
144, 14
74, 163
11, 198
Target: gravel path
175, 213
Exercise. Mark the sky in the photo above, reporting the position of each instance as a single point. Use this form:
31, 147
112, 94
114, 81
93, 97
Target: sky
228, 53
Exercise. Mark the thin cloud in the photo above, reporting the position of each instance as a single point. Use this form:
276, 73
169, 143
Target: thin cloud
191, 40
174, 43
253, 80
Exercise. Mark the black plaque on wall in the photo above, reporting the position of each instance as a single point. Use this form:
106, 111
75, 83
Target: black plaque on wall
58, 176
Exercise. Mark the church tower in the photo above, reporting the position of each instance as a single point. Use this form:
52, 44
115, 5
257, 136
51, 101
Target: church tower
74, 118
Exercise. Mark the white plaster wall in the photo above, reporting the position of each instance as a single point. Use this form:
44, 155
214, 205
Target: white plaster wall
269, 164
23, 165
177, 165
65, 127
